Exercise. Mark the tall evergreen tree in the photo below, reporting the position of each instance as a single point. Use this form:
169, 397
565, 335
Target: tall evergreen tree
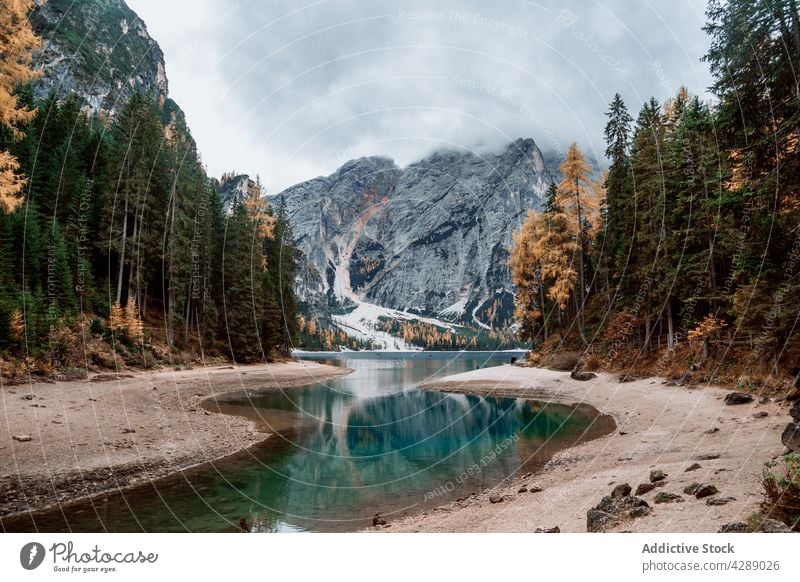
619, 205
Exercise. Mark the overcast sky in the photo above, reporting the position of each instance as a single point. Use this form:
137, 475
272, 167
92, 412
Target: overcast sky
291, 89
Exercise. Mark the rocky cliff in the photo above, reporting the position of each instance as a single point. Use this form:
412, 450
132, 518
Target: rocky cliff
99, 50
429, 239
233, 187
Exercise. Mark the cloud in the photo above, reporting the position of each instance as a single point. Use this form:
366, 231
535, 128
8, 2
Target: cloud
290, 91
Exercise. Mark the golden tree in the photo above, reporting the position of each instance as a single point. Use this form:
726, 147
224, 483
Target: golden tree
577, 198
258, 209
540, 257
17, 325
17, 43
133, 322
117, 319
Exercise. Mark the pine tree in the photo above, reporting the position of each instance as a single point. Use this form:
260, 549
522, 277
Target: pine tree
242, 282
619, 204
647, 260
135, 214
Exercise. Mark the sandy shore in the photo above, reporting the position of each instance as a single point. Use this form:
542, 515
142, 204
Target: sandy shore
659, 427
89, 437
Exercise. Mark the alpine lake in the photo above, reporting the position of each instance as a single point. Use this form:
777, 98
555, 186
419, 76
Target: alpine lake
342, 450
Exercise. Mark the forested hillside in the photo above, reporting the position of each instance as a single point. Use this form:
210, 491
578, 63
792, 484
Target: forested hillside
690, 269
115, 249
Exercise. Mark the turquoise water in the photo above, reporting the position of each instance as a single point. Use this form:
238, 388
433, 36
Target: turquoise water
344, 450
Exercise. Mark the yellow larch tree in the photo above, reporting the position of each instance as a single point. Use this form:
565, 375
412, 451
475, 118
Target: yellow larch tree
577, 197
17, 43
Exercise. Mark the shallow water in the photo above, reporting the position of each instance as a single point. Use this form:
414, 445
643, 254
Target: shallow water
345, 449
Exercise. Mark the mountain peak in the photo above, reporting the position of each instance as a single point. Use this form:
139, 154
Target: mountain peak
100, 51
430, 239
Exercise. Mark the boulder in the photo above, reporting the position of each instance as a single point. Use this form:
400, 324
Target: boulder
622, 490
690, 489
738, 398
657, 475
761, 414
664, 497
522, 490
582, 376
705, 490
378, 520
23, 438
770, 525
555, 529
692, 467
564, 361
791, 436
612, 510
719, 500
597, 520
644, 488
495, 499
736, 527
794, 411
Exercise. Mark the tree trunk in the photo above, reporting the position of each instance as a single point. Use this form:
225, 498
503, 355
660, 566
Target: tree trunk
670, 328
133, 276
581, 278
171, 272
648, 333
544, 312
122, 251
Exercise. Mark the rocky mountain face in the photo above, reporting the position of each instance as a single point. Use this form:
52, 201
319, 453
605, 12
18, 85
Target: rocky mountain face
99, 50
233, 187
430, 239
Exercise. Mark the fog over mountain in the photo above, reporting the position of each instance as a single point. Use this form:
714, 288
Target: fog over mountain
293, 91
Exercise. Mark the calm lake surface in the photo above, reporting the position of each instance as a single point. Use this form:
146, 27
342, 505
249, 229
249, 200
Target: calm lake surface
345, 449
